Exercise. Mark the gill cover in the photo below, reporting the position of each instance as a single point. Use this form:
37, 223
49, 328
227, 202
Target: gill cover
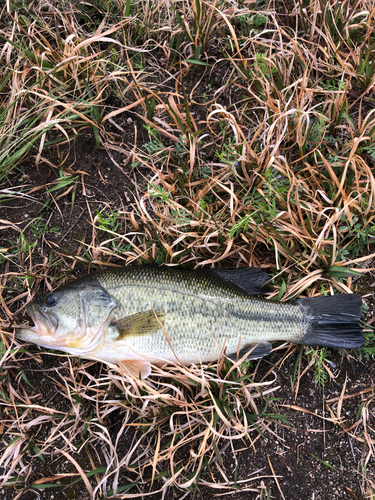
96, 304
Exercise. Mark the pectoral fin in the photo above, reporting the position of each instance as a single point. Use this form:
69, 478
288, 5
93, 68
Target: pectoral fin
143, 323
136, 367
256, 351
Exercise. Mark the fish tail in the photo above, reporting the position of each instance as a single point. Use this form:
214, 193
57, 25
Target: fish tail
333, 321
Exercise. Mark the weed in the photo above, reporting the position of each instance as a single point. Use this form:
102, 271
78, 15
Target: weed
367, 351
38, 227
154, 146
319, 356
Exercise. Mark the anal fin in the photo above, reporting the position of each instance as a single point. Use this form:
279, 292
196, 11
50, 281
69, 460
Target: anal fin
255, 351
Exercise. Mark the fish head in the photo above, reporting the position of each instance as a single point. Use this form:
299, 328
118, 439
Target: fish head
72, 318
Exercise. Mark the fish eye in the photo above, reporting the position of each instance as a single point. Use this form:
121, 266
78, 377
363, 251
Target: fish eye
50, 300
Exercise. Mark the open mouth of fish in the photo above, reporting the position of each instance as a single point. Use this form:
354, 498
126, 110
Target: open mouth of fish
44, 325
44, 333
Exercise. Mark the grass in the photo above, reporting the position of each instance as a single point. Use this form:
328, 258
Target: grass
244, 135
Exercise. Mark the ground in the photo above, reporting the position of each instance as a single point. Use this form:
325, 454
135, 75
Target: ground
192, 134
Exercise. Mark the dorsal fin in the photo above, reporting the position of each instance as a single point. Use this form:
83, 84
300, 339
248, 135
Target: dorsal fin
249, 280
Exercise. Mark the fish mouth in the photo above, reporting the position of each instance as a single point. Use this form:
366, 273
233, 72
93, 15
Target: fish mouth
45, 325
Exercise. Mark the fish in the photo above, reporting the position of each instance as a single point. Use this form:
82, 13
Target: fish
133, 317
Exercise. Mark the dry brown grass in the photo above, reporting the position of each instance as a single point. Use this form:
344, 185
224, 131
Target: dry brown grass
260, 152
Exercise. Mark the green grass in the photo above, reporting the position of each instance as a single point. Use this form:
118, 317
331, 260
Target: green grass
251, 142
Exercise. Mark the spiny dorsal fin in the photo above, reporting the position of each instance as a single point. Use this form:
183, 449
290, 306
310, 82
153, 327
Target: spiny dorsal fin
143, 323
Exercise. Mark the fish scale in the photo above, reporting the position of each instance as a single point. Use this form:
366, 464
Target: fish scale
114, 316
202, 316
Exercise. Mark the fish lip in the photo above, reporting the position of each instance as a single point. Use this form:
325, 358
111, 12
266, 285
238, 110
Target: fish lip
28, 334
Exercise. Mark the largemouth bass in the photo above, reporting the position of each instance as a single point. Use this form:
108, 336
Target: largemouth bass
135, 316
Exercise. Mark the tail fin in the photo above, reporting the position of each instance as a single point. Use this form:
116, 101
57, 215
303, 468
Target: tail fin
333, 321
